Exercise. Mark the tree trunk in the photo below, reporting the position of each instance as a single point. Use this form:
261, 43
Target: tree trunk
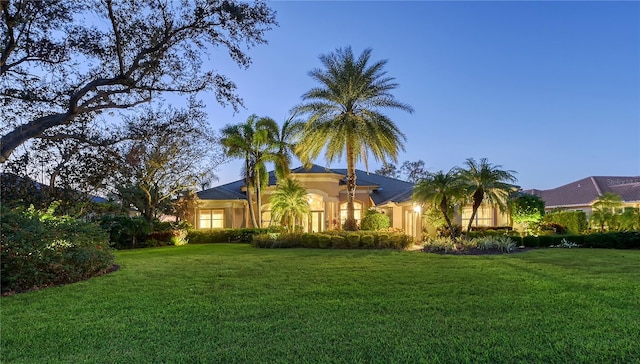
258, 200
478, 196
247, 180
350, 224
443, 209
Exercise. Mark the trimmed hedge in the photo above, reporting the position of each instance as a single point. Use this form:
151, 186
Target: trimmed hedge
574, 221
225, 235
611, 240
335, 240
374, 220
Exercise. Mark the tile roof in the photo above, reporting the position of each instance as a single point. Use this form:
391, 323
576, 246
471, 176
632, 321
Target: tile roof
229, 191
386, 189
585, 191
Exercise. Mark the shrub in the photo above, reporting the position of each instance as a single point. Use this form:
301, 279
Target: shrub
374, 220
575, 222
353, 239
39, 249
324, 241
339, 242
368, 241
276, 240
439, 244
225, 235
125, 232
444, 230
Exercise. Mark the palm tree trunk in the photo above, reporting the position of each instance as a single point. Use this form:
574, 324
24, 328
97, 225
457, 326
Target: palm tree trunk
443, 209
258, 199
478, 196
350, 223
249, 193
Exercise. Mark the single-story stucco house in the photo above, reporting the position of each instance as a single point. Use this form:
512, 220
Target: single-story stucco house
226, 206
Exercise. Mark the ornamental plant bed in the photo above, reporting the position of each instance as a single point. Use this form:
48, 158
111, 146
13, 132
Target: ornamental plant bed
477, 251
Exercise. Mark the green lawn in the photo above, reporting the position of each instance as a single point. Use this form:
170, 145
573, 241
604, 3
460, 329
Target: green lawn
234, 303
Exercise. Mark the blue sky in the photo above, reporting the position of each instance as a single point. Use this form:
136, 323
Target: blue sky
548, 89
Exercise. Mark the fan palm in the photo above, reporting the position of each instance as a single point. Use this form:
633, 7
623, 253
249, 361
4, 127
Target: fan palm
289, 202
486, 182
253, 141
344, 117
441, 190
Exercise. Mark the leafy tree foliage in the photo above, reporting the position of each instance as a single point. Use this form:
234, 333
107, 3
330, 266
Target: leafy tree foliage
414, 171
58, 69
176, 155
344, 115
388, 170
526, 209
38, 249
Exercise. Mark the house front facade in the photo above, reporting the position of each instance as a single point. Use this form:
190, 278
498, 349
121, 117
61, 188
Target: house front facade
226, 206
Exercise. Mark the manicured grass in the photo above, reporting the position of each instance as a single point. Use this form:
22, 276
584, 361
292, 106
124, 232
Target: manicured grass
234, 303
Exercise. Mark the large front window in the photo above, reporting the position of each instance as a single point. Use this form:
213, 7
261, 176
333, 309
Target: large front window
211, 219
484, 216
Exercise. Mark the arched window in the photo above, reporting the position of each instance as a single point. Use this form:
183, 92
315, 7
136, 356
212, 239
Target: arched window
357, 212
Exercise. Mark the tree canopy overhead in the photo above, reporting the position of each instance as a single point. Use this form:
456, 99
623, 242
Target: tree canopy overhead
57, 68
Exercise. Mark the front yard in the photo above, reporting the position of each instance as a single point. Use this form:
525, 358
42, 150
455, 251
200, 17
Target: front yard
234, 303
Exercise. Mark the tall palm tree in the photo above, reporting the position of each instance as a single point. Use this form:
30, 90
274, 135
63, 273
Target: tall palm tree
253, 141
289, 202
486, 182
441, 190
344, 117
285, 142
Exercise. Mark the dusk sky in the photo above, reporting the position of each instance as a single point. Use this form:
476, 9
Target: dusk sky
548, 89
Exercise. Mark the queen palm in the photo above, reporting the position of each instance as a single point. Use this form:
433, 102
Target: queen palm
442, 191
253, 141
344, 117
289, 202
486, 182
285, 143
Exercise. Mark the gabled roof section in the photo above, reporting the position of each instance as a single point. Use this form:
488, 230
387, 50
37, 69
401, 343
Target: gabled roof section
388, 189
313, 169
587, 190
230, 191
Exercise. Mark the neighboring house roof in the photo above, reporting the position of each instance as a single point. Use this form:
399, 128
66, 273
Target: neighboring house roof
587, 190
383, 189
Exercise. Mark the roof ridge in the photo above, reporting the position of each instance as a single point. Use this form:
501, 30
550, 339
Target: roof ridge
595, 184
